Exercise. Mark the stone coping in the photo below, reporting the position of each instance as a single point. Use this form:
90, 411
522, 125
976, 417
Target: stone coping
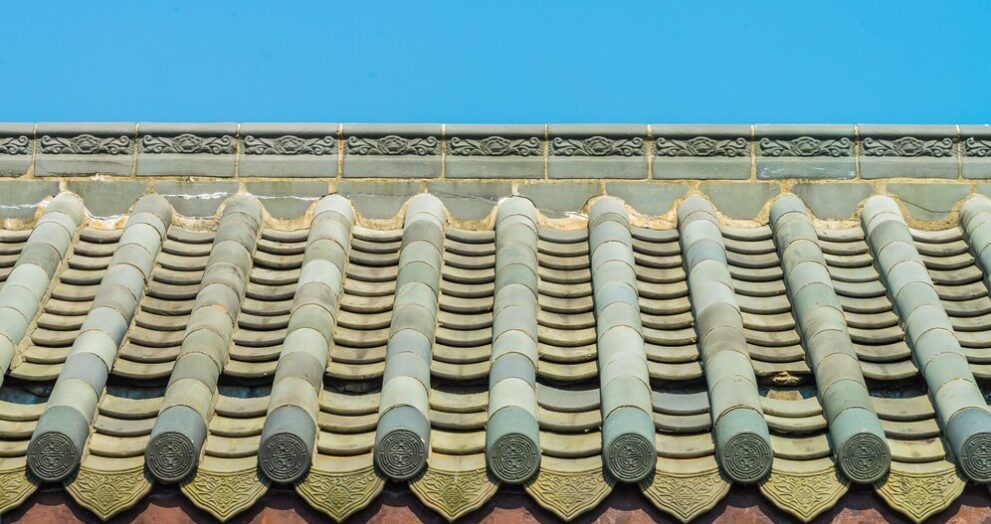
456, 151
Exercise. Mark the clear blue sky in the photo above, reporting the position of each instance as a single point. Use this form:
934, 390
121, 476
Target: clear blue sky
507, 61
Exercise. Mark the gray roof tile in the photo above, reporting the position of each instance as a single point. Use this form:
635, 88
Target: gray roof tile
521, 347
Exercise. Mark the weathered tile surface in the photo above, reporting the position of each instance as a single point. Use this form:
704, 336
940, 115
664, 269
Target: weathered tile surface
809, 152
908, 151
16, 149
389, 151
288, 150
371, 338
701, 152
186, 150
579, 151
85, 149
475, 151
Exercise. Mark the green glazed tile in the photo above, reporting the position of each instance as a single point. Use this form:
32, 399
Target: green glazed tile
512, 445
173, 449
62, 428
743, 447
628, 445
286, 446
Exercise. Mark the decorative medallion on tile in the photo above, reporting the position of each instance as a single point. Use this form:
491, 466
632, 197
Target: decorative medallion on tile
569, 493
85, 144
52, 456
454, 494
683, 493
974, 147
597, 146
15, 487
495, 146
908, 146
107, 493
805, 146
188, 143
701, 146
224, 494
290, 145
392, 145
804, 489
15, 145
340, 495
921, 490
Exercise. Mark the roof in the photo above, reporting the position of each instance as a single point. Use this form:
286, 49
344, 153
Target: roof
199, 327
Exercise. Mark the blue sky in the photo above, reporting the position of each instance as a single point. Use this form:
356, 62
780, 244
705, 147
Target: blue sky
508, 61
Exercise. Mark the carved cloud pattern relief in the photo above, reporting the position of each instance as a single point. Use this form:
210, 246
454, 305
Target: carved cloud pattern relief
289, 145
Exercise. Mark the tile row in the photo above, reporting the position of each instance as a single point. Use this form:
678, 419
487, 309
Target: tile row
496, 151
231, 354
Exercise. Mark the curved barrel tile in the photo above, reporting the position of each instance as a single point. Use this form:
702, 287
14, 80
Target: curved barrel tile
512, 436
686, 481
457, 479
57, 444
16, 483
975, 218
447, 319
343, 478
960, 407
402, 438
858, 441
180, 430
37, 263
743, 446
572, 478
628, 448
111, 477
290, 432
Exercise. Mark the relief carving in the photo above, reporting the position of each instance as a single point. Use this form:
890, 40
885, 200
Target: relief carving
805, 146
107, 493
15, 145
701, 146
454, 494
392, 145
290, 145
187, 143
597, 146
15, 488
340, 495
805, 495
85, 145
495, 146
920, 495
685, 495
908, 146
224, 494
569, 494
976, 147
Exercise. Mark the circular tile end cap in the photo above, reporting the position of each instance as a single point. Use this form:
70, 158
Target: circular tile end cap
629, 451
401, 454
284, 458
969, 431
743, 446
401, 442
512, 445
513, 458
170, 456
52, 456
864, 458
630, 458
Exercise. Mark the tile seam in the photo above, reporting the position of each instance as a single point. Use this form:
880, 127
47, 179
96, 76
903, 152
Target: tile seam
959, 153
135, 149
